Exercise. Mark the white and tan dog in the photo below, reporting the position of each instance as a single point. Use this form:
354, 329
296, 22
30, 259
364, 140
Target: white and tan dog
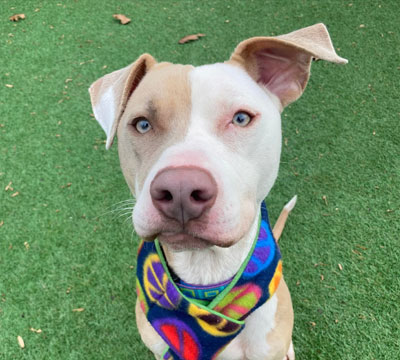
200, 148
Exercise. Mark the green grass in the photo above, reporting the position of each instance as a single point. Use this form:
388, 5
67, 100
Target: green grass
343, 142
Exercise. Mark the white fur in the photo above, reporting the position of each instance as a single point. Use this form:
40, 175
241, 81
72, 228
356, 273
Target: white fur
215, 264
291, 204
104, 112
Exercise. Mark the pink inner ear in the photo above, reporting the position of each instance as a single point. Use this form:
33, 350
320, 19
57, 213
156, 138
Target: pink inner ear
283, 71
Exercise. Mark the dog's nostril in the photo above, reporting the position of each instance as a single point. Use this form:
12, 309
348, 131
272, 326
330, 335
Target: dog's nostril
199, 196
165, 196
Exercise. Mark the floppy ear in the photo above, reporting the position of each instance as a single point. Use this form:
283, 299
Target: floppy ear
110, 94
282, 63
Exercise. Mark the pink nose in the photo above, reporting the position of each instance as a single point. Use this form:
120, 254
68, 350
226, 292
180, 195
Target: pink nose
183, 193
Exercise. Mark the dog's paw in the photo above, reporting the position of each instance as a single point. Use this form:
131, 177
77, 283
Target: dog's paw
290, 354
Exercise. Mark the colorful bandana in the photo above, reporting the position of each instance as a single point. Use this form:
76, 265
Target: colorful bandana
202, 292
192, 330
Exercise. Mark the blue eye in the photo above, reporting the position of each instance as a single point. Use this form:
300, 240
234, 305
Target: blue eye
143, 125
241, 118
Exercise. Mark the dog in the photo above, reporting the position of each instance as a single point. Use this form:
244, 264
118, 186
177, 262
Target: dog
199, 148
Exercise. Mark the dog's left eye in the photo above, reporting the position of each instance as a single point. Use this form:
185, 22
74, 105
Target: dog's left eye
241, 118
142, 125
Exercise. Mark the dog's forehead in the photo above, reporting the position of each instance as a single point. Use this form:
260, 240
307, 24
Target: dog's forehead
166, 80
221, 75
219, 86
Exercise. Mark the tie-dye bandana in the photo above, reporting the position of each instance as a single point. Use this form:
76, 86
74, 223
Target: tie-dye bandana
192, 330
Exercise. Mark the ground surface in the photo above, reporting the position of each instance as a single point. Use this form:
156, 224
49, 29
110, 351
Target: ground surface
63, 242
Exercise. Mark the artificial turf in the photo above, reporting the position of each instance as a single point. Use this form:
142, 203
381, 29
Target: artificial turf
65, 242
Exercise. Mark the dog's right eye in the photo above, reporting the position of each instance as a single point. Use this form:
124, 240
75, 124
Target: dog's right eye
142, 125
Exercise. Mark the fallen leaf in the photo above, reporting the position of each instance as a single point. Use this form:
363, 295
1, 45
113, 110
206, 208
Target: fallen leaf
325, 199
330, 287
21, 342
122, 19
78, 310
26, 244
17, 17
15, 194
340, 267
322, 277
188, 38
313, 323
286, 141
9, 86
8, 187
37, 331
1, 223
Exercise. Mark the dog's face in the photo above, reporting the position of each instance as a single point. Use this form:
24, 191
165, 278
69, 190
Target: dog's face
214, 119
200, 147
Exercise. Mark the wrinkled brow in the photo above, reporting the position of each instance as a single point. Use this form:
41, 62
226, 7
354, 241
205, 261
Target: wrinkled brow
151, 109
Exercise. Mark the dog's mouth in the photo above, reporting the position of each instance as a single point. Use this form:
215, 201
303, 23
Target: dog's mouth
182, 241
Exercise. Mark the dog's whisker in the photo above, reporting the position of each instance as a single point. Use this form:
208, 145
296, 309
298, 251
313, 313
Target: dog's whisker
119, 206
132, 200
125, 214
128, 218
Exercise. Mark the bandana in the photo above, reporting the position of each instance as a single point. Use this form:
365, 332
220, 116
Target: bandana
192, 328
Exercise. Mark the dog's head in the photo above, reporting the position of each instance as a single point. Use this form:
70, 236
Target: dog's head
200, 146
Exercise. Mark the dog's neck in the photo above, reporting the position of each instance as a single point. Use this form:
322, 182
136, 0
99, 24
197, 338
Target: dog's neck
211, 265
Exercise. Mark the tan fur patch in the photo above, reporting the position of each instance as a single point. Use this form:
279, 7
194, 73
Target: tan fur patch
163, 97
280, 337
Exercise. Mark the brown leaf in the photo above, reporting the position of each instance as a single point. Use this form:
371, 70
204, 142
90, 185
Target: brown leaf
1, 223
188, 38
21, 342
78, 310
17, 17
122, 19
15, 194
340, 267
10, 86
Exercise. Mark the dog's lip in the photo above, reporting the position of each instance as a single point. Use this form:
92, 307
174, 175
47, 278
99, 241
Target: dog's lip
184, 240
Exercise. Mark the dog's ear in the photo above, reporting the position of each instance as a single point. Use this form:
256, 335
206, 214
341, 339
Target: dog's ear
282, 63
110, 94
